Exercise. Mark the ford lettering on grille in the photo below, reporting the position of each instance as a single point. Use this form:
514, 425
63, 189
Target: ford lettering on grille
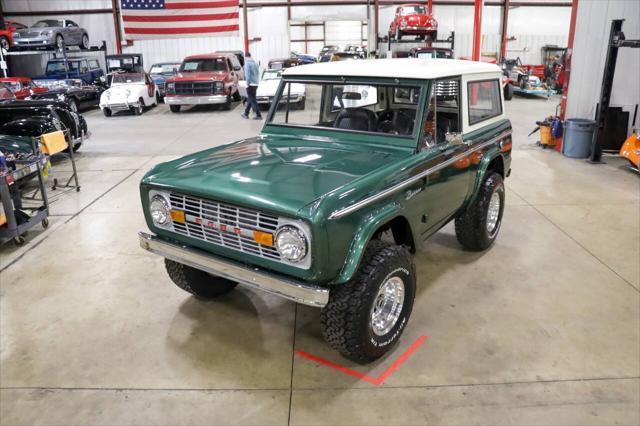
224, 224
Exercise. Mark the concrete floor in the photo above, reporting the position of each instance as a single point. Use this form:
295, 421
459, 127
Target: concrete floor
544, 328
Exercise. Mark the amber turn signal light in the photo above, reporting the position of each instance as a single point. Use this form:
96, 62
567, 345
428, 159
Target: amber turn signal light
263, 238
178, 216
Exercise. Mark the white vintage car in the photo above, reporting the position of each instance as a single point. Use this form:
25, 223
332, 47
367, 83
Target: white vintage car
269, 85
129, 92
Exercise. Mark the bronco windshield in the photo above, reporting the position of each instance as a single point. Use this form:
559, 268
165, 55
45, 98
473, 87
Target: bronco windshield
361, 107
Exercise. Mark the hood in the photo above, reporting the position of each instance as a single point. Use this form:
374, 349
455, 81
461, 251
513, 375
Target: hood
417, 19
270, 87
279, 174
199, 75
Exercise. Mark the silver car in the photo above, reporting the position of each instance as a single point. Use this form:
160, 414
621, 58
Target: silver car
54, 33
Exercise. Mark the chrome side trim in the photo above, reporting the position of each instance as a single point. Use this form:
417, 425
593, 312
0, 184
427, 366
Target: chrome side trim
297, 291
384, 193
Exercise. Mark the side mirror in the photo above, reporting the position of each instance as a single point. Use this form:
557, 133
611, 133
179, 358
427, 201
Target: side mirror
454, 138
237, 68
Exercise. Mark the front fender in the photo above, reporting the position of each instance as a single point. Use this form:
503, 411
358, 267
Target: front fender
482, 170
374, 220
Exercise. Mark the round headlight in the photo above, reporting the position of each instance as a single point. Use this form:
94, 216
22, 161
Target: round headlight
291, 243
159, 209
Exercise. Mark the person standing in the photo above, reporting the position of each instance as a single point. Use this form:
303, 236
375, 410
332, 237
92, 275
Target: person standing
252, 75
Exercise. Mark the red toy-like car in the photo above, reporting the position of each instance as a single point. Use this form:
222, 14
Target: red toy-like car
413, 19
22, 87
6, 41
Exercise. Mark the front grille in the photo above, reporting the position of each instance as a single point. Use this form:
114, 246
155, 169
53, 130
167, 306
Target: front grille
198, 88
224, 224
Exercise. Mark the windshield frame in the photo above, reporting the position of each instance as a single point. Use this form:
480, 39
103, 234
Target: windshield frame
399, 141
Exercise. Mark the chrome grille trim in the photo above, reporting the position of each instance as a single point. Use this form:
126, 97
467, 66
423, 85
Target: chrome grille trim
243, 222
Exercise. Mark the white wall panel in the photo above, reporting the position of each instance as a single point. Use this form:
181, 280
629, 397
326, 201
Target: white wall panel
589, 52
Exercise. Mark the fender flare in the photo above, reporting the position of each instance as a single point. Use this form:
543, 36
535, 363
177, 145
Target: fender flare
482, 171
362, 236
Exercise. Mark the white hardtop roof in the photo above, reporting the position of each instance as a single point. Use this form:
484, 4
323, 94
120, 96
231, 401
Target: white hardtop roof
394, 68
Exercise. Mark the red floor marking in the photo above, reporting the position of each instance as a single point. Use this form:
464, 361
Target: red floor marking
373, 380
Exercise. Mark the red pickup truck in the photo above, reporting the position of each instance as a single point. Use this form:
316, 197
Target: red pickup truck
206, 79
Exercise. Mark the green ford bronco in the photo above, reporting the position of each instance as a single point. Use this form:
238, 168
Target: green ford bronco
327, 204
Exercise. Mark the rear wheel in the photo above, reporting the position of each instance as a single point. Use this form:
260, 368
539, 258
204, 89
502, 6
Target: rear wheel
508, 92
107, 112
174, 108
84, 44
139, 109
478, 226
365, 317
197, 282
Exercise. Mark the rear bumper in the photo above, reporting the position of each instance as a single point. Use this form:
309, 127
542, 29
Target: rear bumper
297, 291
195, 100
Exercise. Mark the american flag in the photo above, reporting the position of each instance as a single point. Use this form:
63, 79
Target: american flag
153, 19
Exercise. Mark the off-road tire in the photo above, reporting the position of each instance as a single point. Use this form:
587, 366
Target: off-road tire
197, 282
346, 319
471, 225
175, 108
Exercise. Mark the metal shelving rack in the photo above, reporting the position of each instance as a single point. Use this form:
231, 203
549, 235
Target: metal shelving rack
12, 229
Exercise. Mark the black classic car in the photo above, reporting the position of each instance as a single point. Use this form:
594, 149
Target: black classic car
73, 92
34, 118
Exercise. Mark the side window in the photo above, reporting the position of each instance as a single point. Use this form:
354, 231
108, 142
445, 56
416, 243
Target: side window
93, 64
229, 66
84, 67
443, 113
484, 100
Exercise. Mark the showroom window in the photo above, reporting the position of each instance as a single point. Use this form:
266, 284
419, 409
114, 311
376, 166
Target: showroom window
484, 100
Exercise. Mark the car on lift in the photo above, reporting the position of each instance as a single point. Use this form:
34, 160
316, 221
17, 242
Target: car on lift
325, 206
431, 53
51, 33
161, 71
209, 79
73, 92
23, 87
413, 19
131, 91
86, 69
36, 117
6, 38
268, 88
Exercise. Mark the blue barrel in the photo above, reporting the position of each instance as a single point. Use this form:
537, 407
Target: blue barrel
578, 134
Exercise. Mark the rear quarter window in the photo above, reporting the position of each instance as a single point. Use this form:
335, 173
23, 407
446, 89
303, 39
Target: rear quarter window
484, 100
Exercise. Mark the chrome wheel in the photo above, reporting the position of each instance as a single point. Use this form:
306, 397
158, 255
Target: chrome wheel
493, 212
387, 306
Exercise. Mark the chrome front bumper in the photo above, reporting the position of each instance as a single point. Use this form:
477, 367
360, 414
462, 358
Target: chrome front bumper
33, 41
297, 291
195, 100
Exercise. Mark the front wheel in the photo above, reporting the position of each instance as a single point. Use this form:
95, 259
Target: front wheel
107, 112
365, 317
59, 42
73, 104
227, 103
174, 108
197, 282
508, 92
478, 226
236, 96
